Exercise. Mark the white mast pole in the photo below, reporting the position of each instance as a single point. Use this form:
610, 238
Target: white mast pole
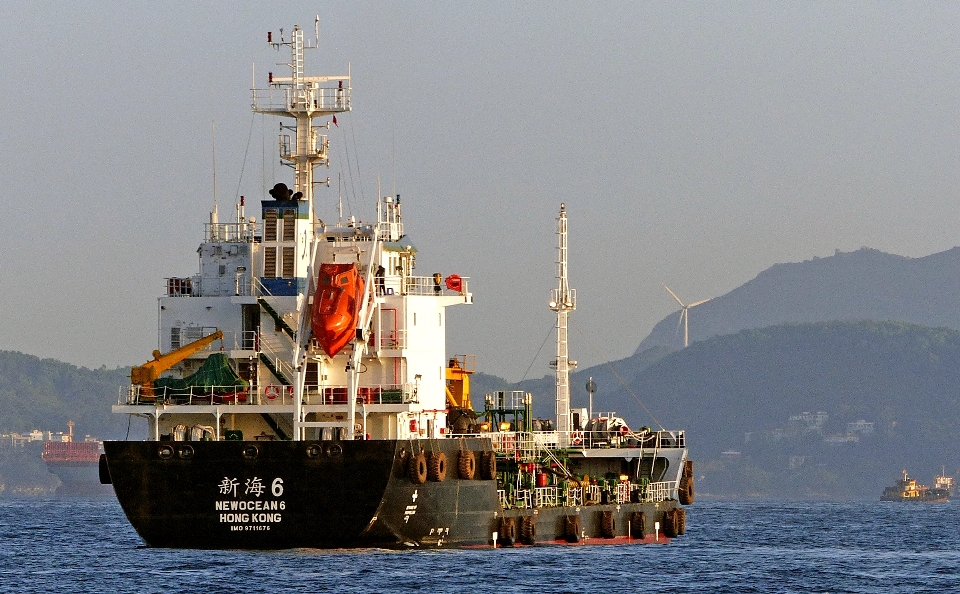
563, 301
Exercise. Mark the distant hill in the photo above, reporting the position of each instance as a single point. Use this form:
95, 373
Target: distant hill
902, 378
863, 285
44, 394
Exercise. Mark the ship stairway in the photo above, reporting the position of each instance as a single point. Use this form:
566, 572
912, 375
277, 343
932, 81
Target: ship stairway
274, 369
277, 318
555, 461
646, 466
280, 426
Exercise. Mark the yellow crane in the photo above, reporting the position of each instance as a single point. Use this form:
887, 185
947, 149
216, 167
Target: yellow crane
144, 375
458, 374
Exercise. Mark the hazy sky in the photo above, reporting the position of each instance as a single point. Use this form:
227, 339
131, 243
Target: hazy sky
695, 144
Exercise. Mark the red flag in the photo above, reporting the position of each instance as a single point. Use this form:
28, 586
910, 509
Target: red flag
335, 121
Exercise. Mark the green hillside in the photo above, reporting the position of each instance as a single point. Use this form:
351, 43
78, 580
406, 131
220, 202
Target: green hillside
44, 394
737, 393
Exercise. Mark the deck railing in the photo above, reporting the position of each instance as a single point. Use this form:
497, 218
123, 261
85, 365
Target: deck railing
270, 394
529, 443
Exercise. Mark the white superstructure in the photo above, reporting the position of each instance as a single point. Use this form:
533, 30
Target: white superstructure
255, 284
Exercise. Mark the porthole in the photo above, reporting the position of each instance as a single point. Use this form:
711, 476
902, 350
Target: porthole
313, 451
185, 452
250, 452
165, 452
334, 450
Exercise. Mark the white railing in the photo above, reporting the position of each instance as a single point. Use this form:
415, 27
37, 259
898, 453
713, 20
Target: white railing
134, 394
425, 285
623, 492
546, 497
307, 95
230, 232
529, 443
658, 491
570, 495
593, 494
393, 339
521, 498
272, 394
378, 394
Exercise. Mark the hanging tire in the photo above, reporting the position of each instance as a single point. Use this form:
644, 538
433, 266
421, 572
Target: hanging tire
508, 531
488, 466
437, 467
466, 465
669, 523
685, 492
638, 525
528, 530
104, 471
571, 528
417, 469
608, 524
681, 521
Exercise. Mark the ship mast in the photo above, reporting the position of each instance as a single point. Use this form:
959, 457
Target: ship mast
303, 98
563, 300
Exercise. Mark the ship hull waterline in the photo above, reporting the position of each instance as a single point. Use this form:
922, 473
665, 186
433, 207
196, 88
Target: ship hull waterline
338, 494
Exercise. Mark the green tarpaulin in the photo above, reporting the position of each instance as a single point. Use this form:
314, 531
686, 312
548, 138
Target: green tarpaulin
215, 376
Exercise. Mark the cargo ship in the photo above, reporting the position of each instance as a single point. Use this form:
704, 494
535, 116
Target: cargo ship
76, 464
907, 489
301, 395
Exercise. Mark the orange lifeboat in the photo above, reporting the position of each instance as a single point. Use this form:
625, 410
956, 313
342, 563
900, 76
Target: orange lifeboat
336, 306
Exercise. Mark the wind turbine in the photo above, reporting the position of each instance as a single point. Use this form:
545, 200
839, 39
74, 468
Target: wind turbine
684, 315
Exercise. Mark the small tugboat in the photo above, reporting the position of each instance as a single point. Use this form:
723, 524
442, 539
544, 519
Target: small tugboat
907, 489
301, 395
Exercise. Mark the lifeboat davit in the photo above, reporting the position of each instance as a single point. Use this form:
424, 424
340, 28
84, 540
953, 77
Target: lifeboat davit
336, 306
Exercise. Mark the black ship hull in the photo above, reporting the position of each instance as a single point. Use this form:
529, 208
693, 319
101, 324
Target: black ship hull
344, 494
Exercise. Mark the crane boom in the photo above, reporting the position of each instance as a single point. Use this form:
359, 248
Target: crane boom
144, 375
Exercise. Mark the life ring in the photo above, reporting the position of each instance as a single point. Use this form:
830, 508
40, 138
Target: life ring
577, 437
624, 430
272, 392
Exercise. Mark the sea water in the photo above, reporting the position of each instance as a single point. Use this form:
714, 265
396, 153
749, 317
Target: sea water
86, 545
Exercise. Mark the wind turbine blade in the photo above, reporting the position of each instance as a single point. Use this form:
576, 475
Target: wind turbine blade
698, 302
680, 321
674, 295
